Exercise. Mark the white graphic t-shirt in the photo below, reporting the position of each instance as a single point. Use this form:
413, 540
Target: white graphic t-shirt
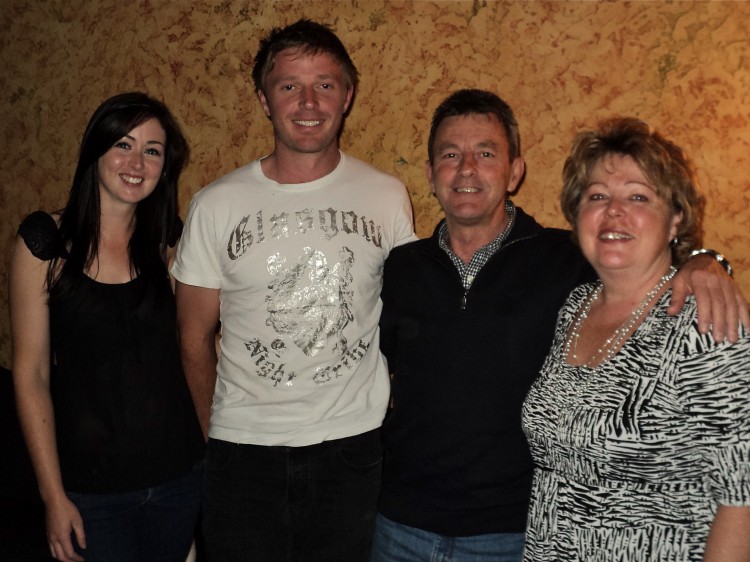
299, 271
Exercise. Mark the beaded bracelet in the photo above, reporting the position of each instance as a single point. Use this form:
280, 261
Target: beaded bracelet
724, 262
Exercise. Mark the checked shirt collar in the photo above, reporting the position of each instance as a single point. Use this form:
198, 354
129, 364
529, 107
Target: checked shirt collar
469, 271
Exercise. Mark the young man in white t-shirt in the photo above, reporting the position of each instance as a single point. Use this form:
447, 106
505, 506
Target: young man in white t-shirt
287, 252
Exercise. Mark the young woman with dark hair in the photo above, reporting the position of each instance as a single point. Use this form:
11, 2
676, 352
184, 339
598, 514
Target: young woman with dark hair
101, 394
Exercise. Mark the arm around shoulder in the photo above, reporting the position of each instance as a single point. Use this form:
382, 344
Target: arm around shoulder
197, 318
721, 305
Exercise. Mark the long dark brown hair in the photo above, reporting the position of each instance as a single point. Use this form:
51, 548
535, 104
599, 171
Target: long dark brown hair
157, 223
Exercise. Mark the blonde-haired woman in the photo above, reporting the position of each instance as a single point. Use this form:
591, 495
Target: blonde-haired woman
639, 424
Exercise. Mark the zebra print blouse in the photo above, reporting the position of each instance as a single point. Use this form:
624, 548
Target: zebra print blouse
633, 457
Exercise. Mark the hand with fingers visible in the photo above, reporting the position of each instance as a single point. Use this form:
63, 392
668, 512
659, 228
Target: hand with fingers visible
721, 305
63, 521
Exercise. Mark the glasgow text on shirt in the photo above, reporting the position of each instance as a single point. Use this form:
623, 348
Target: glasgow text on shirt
329, 222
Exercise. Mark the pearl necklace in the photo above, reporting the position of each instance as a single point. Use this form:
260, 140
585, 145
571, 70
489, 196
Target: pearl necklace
613, 342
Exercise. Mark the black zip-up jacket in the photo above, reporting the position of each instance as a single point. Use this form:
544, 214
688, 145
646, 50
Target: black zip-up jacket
456, 459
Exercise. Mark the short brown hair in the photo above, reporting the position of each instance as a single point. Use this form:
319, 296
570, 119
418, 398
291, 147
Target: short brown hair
477, 102
664, 164
311, 38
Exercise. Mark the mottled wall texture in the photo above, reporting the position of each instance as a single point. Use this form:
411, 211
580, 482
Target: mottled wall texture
682, 66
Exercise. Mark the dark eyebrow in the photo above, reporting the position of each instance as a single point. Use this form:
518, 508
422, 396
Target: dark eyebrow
488, 143
295, 77
480, 145
445, 146
147, 142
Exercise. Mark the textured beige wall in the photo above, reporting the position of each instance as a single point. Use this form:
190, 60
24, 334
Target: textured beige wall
683, 66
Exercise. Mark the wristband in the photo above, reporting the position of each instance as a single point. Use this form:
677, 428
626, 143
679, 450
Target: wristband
724, 262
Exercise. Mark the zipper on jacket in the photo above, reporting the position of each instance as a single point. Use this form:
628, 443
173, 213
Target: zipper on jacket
465, 296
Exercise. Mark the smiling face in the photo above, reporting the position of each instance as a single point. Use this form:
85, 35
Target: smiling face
306, 97
471, 173
622, 223
130, 170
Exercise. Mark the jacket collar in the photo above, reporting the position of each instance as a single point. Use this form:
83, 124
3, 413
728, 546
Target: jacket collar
525, 226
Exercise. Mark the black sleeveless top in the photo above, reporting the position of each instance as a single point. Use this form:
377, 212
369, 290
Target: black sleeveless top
123, 412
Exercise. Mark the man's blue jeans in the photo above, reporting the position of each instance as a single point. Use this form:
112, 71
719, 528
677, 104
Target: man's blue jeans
394, 542
155, 524
284, 504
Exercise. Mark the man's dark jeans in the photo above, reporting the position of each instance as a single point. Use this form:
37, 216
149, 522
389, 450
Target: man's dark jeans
290, 504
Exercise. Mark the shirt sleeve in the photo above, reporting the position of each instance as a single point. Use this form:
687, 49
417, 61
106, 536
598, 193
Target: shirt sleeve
715, 379
197, 260
404, 222
41, 236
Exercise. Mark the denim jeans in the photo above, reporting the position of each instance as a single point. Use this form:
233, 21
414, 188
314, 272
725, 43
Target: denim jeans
399, 543
155, 524
290, 504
